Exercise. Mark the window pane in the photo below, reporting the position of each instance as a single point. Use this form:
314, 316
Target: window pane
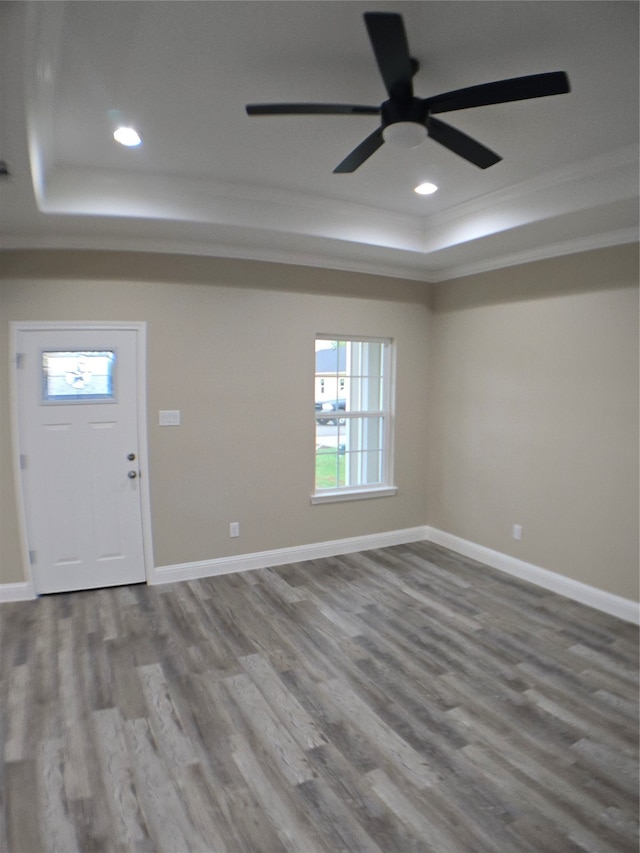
72, 376
371, 358
366, 393
330, 356
363, 433
369, 467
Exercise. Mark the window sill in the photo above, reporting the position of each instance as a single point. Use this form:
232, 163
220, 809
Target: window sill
329, 496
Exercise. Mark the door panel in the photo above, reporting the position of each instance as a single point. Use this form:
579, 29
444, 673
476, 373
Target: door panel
81, 491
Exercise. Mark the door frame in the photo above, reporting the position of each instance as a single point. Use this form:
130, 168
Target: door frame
140, 328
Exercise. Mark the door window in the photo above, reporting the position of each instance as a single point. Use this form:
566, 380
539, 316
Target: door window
79, 375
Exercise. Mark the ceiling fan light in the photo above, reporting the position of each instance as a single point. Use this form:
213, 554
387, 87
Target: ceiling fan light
405, 134
127, 136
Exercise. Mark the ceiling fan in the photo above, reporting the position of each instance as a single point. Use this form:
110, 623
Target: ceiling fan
410, 119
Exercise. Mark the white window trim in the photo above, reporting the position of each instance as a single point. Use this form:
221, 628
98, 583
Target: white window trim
381, 490
328, 496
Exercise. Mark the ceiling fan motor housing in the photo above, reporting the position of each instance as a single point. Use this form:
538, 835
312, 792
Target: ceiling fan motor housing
408, 109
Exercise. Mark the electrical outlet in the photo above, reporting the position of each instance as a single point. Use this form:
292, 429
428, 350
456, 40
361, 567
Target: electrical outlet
234, 529
516, 531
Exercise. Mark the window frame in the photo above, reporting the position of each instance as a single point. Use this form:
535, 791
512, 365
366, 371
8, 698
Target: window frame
386, 412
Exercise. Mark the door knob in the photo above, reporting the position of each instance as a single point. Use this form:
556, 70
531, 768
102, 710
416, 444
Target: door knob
132, 475
131, 457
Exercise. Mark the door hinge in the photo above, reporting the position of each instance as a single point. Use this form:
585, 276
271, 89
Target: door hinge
23, 461
32, 557
19, 360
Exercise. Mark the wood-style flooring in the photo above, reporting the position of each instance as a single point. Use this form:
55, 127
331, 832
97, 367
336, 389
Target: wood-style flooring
404, 699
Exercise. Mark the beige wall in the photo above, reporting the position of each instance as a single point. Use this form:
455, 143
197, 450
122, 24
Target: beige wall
517, 401
232, 345
534, 414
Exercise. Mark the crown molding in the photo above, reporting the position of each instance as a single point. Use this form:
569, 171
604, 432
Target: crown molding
323, 261
555, 250
623, 158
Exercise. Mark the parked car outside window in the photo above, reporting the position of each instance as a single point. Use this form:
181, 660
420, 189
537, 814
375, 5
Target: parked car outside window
327, 406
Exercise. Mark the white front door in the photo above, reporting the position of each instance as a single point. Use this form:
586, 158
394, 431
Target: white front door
79, 442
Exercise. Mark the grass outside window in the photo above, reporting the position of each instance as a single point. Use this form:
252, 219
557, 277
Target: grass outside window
330, 468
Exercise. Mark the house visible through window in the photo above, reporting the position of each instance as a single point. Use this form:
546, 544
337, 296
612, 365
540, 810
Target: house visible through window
353, 385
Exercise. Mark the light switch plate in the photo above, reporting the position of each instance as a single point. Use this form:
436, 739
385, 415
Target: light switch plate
169, 417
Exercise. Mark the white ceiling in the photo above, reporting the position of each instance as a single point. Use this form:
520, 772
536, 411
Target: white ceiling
208, 179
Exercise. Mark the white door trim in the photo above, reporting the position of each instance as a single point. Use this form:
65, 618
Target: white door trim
15, 328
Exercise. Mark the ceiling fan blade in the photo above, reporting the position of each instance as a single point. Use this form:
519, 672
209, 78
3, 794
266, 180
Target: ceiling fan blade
500, 92
361, 153
391, 49
461, 144
310, 109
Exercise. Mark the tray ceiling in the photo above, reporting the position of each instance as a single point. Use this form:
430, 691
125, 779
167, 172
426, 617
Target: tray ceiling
210, 180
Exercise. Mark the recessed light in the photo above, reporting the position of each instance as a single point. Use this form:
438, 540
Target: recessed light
426, 188
127, 136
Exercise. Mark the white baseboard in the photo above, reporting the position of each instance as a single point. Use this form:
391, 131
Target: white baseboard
615, 605
282, 556
16, 592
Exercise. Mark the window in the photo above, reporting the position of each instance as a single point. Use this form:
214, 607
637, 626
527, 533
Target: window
353, 385
69, 377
